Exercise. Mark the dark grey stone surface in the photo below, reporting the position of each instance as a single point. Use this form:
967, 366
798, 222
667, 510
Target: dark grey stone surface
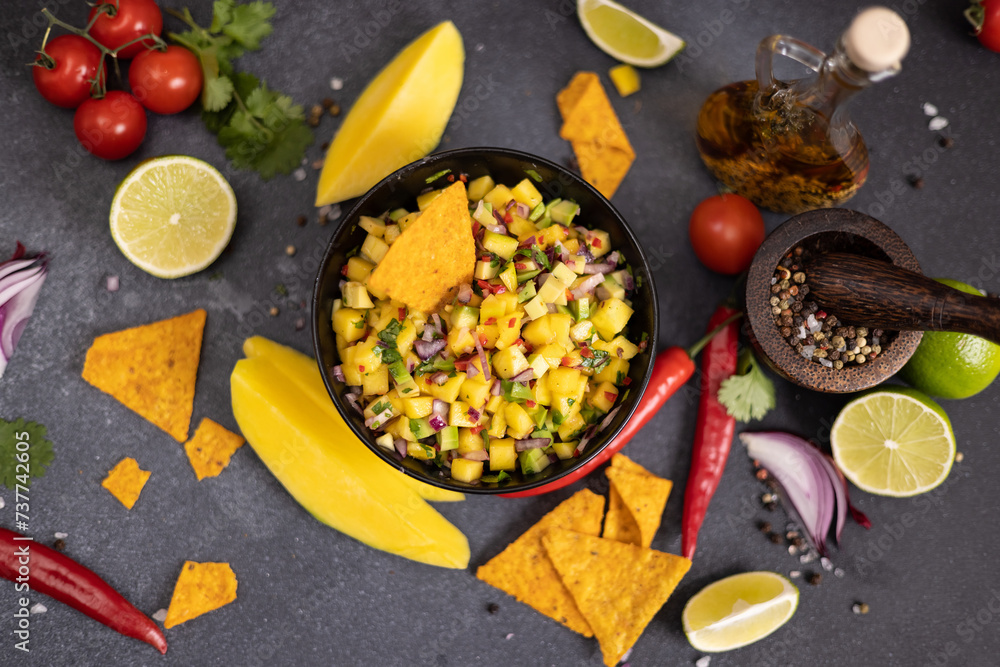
309, 595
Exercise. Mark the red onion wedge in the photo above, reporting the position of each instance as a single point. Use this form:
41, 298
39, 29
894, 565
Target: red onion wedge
464, 293
524, 376
483, 361
20, 282
810, 483
439, 378
531, 443
478, 455
427, 349
497, 388
338, 373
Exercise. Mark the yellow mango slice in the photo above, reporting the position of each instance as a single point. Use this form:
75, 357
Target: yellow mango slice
303, 371
399, 117
341, 483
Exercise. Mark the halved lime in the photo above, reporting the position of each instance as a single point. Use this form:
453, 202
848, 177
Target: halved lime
623, 34
738, 610
173, 215
893, 442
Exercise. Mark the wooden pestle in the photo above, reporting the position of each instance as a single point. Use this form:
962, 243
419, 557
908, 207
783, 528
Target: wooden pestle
876, 293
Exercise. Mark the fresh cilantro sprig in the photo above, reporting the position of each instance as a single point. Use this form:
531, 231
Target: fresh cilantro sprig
17, 466
260, 128
748, 394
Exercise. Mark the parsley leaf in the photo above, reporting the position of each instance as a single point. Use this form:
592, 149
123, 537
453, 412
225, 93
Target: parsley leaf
260, 129
39, 452
748, 394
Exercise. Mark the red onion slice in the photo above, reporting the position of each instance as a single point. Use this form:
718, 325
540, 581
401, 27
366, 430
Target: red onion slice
474, 414
338, 373
588, 285
807, 486
478, 455
439, 378
465, 293
471, 371
496, 389
524, 376
482, 357
598, 268
531, 443
427, 349
522, 210
437, 422
400, 445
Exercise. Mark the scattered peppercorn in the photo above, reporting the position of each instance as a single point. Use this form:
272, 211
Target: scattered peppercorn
916, 182
860, 608
761, 474
775, 538
493, 607
301, 221
765, 527
274, 311
300, 324
59, 545
327, 102
290, 251
815, 578
946, 142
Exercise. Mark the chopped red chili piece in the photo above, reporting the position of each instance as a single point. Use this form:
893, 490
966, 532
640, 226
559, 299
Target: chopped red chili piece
508, 217
482, 338
596, 242
565, 361
484, 286
586, 352
402, 314
510, 323
569, 296
821, 315
475, 228
463, 178
461, 364
520, 266
498, 289
610, 395
361, 368
343, 270
476, 429
490, 320
530, 404
451, 178
627, 381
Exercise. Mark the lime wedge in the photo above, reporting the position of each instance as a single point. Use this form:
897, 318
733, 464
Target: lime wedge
893, 442
623, 34
173, 215
738, 610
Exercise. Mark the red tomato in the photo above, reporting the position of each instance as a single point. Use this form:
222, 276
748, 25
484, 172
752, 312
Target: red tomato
726, 231
75, 62
126, 21
111, 127
165, 81
985, 16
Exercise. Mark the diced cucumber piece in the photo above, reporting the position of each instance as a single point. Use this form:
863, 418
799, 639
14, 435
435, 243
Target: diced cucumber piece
523, 276
580, 308
500, 244
421, 428
397, 370
397, 213
448, 438
564, 212
537, 212
533, 461
527, 292
356, 296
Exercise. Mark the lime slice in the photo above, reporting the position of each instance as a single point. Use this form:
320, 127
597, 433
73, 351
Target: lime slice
893, 442
623, 34
738, 610
173, 215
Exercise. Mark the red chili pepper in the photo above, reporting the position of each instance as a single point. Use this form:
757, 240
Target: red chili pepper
713, 430
672, 368
402, 314
60, 577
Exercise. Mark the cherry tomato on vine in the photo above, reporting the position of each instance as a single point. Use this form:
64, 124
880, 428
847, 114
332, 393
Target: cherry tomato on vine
64, 73
985, 18
726, 231
125, 21
165, 81
111, 127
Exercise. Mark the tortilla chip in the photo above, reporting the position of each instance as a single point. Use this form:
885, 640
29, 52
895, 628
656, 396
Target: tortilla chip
625, 463
644, 497
433, 257
151, 369
589, 122
211, 448
125, 481
618, 587
200, 588
618, 522
524, 571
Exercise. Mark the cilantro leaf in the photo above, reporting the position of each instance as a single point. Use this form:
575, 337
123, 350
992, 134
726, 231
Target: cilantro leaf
388, 335
748, 394
39, 452
247, 24
217, 93
600, 359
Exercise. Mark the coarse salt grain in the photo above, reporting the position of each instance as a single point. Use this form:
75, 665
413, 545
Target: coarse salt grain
802, 331
930, 109
625, 655
807, 557
61, 536
299, 174
38, 608
794, 574
160, 615
826, 563
324, 211
813, 324
937, 123
510, 635
807, 351
826, 362
336, 83
839, 573
112, 283
334, 212
479, 47
703, 661
2, 503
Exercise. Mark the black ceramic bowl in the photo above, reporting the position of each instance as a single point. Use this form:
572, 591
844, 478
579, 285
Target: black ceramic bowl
505, 166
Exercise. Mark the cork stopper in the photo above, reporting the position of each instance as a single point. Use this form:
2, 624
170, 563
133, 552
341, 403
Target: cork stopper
877, 40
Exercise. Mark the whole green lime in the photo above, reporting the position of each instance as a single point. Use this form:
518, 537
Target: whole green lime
953, 365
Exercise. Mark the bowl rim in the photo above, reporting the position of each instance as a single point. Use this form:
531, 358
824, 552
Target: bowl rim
607, 436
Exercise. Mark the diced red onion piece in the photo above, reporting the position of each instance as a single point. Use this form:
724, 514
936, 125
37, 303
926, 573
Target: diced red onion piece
20, 283
471, 371
438, 324
474, 414
584, 252
511, 204
482, 357
522, 210
552, 308
608, 418
352, 399
613, 258
439, 407
524, 376
338, 373
400, 445
588, 285
629, 282
439, 378
531, 443
599, 268
437, 422
478, 455
465, 293
497, 388
427, 349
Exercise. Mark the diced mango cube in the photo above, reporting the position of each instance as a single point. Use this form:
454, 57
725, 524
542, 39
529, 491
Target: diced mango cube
510, 331
374, 248
509, 362
615, 372
447, 392
563, 274
373, 226
498, 422
565, 450
498, 198
519, 422
346, 323
419, 451
571, 426
626, 79
418, 406
375, 382
611, 317
466, 470
475, 392
565, 381
536, 308
424, 200
460, 342
526, 193
503, 454
627, 347
458, 415
542, 394
479, 187
603, 396
356, 296
359, 269
469, 441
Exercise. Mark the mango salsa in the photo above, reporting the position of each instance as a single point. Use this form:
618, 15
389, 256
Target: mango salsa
536, 347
